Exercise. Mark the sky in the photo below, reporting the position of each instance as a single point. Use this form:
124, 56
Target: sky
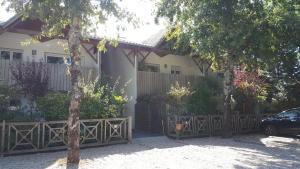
144, 9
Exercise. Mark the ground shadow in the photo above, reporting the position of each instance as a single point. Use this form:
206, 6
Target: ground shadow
253, 151
72, 166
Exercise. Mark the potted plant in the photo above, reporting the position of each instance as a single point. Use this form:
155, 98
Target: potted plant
177, 97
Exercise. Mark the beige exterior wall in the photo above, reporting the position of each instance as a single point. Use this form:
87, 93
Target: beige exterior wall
114, 62
13, 41
116, 65
186, 63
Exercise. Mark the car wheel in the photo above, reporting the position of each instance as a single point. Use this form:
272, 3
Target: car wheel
270, 130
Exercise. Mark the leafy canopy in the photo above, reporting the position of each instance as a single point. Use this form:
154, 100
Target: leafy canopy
254, 32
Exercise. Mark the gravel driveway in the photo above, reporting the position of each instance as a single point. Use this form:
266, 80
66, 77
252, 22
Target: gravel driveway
249, 151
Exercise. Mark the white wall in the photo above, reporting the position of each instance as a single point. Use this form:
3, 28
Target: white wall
116, 65
186, 63
10, 40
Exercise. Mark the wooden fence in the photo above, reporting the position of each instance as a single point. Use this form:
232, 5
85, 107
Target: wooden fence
152, 83
59, 80
211, 125
26, 137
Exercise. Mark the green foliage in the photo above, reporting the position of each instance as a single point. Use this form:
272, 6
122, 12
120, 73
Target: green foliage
199, 99
262, 35
9, 104
231, 30
244, 100
4, 100
54, 106
101, 100
177, 96
57, 15
204, 100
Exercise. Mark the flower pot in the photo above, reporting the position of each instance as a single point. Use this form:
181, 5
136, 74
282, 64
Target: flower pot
179, 127
179, 130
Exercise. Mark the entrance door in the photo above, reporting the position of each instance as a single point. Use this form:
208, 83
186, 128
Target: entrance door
148, 117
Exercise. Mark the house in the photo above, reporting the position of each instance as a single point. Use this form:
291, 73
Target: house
128, 60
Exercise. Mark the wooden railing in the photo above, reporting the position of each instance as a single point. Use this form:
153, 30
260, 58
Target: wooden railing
59, 80
210, 125
26, 137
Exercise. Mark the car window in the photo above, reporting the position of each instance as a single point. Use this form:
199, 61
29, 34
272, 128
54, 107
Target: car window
298, 112
290, 114
280, 114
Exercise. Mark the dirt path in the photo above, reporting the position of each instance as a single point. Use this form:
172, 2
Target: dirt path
250, 151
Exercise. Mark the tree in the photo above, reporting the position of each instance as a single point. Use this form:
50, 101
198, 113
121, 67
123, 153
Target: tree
75, 17
254, 33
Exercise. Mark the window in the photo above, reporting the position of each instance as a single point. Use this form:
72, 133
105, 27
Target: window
17, 56
55, 60
11, 54
290, 114
5, 55
298, 112
149, 67
175, 70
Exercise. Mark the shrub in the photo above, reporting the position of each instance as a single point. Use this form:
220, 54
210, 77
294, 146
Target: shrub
31, 78
4, 101
204, 98
54, 106
9, 105
99, 101
250, 89
102, 100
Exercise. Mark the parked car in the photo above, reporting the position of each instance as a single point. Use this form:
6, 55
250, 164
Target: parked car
286, 122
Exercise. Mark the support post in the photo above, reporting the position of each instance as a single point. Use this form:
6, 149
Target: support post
2, 138
99, 57
130, 129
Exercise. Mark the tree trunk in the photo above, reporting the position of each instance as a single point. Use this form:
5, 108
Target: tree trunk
74, 108
228, 86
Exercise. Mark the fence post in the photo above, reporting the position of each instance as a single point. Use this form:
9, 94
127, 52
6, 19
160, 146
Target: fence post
194, 126
130, 129
209, 125
2, 138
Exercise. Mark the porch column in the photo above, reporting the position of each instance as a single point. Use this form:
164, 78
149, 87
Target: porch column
99, 61
135, 88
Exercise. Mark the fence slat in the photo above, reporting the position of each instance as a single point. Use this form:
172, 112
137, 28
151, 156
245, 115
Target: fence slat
149, 83
130, 129
2, 136
59, 80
